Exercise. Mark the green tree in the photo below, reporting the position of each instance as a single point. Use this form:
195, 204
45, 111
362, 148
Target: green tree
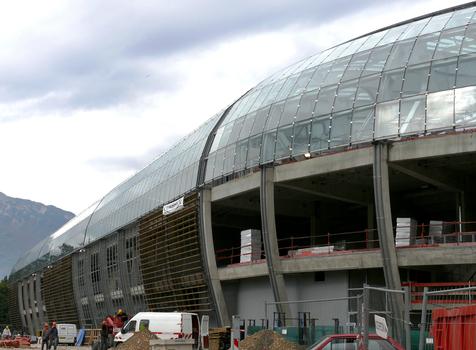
4, 319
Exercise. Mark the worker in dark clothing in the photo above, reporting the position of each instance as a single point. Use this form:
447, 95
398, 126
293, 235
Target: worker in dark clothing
53, 336
104, 335
44, 337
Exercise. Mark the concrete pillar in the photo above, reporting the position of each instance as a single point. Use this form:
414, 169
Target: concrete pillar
208, 253
33, 304
21, 304
26, 305
270, 240
385, 229
39, 301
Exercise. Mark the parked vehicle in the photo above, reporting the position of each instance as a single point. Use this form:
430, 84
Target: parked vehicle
67, 333
165, 325
351, 342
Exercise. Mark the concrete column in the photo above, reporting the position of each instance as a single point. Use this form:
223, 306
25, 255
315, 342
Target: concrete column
208, 253
385, 229
21, 304
39, 301
270, 240
26, 305
34, 306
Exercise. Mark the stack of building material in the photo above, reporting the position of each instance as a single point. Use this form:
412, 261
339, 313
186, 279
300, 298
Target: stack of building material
219, 338
250, 245
436, 231
406, 232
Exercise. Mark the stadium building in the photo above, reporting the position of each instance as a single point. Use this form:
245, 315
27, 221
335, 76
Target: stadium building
356, 165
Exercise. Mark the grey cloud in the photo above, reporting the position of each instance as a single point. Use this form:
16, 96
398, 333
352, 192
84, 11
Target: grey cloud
98, 59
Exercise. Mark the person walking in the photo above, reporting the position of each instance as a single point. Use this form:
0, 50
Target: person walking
44, 337
53, 336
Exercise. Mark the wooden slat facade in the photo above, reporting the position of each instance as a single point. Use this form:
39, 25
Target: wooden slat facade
57, 292
170, 260
13, 307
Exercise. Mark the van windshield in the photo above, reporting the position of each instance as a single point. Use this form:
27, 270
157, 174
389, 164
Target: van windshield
130, 327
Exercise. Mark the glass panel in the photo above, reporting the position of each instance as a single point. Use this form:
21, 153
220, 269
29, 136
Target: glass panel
325, 100
218, 169
235, 131
345, 95
216, 140
260, 120
390, 85
306, 105
302, 82
320, 134
466, 74
269, 142
240, 155
423, 49
443, 75
287, 87
414, 29
247, 125
274, 92
377, 60
367, 90
229, 159
362, 124
399, 55
274, 116
254, 146
261, 97
460, 18
465, 107
440, 106
210, 166
469, 42
284, 141
386, 119
290, 109
373, 40
225, 135
319, 76
356, 65
436, 23
412, 115
336, 71
449, 43
354, 46
302, 132
340, 129
416, 79
393, 34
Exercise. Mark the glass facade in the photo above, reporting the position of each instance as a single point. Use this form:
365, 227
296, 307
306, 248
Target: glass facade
416, 78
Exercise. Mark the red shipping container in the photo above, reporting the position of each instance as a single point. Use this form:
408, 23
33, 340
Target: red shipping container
454, 328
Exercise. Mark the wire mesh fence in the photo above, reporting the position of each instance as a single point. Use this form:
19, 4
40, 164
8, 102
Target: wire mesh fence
448, 319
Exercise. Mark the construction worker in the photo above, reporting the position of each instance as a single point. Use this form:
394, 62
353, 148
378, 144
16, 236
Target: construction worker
6, 334
53, 336
44, 337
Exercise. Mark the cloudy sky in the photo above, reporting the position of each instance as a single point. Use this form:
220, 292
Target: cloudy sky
91, 91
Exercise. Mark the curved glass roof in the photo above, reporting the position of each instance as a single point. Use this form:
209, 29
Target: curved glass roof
171, 175
414, 78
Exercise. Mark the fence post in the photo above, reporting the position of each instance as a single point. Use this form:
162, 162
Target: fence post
365, 316
408, 337
421, 341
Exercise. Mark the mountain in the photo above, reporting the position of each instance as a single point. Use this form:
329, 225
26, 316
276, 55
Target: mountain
23, 223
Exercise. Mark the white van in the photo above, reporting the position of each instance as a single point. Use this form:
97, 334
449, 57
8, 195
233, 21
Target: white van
165, 325
67, 333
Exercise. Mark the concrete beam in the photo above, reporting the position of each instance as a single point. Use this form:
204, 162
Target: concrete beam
208, 252
236, 187
353, 199
328, 163
270, 239
436, 179
442, 255
433, 146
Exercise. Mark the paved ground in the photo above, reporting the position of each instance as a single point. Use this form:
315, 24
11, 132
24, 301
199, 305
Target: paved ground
62, 347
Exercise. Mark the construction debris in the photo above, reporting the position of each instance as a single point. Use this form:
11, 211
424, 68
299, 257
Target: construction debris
139, 341
267, 340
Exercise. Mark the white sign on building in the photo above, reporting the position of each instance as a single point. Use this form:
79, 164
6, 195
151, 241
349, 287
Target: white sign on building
173, 207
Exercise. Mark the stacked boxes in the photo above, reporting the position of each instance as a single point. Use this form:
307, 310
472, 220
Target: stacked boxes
436, 231
250, 245
406, 232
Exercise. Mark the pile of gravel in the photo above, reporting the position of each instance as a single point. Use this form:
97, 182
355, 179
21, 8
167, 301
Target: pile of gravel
139, 341
267, 340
